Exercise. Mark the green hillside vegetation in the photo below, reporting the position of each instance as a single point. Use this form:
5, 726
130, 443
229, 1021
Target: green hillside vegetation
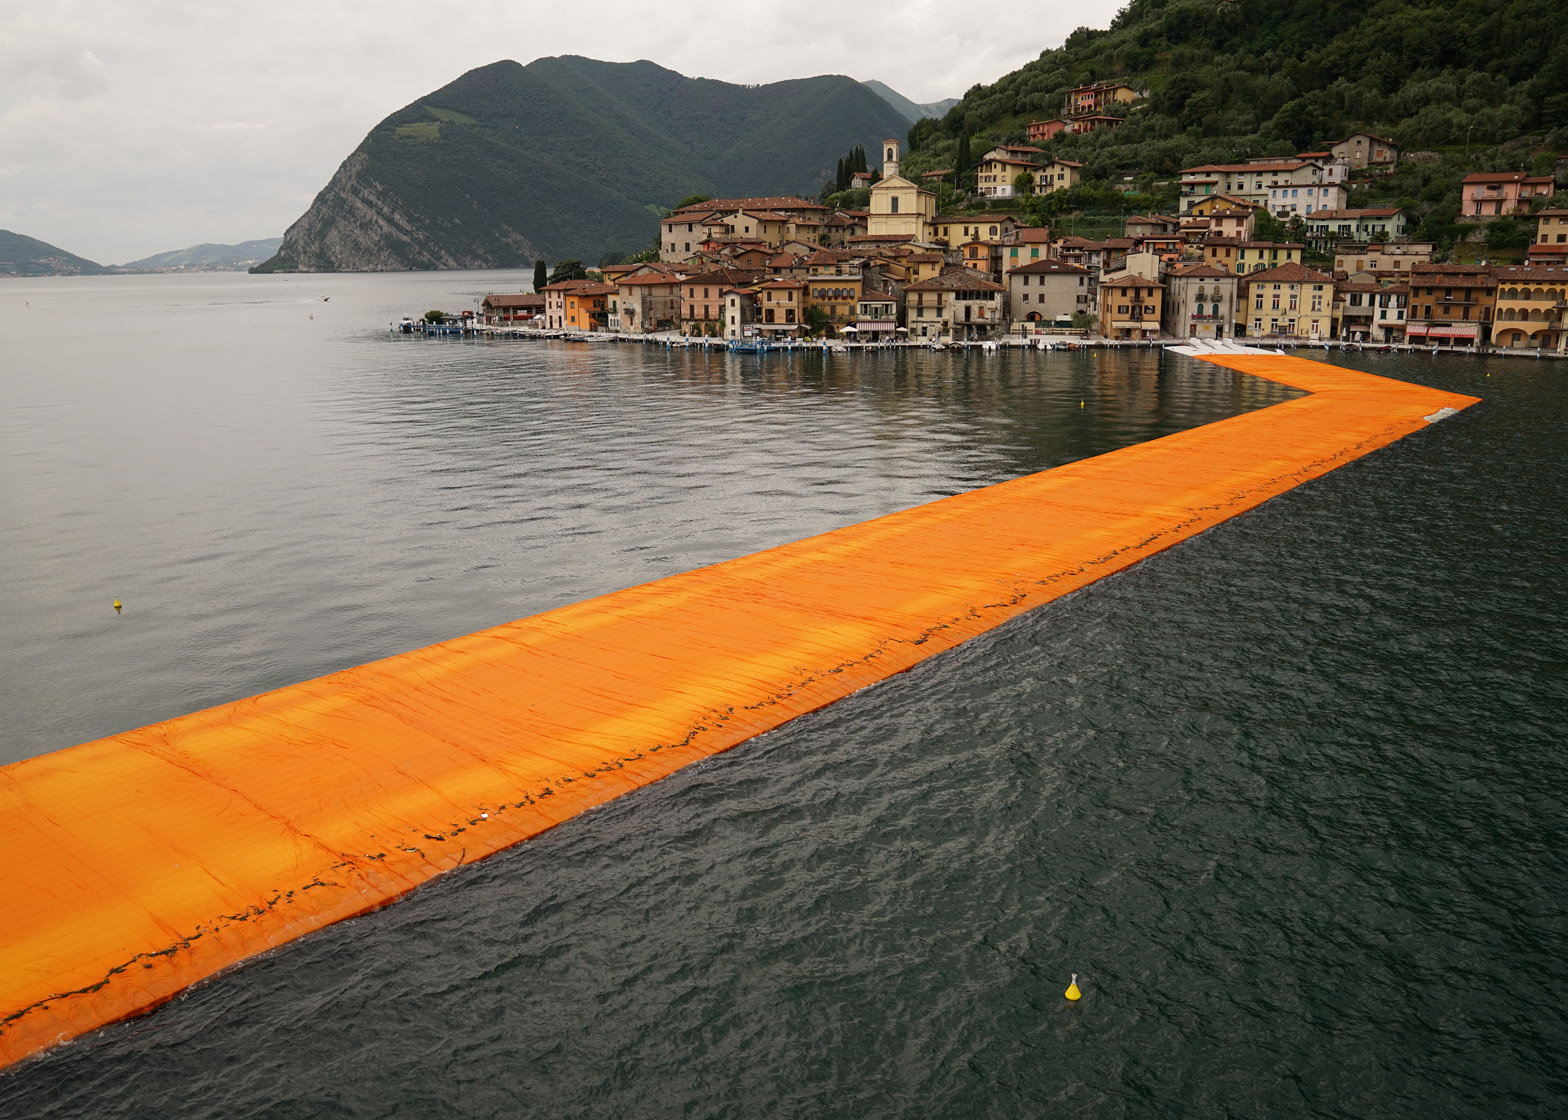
570, 157
21, 255
1482, 85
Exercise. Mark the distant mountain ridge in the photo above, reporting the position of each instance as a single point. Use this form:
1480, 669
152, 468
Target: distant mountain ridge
207, 257
21, 255
912, 111
570, 158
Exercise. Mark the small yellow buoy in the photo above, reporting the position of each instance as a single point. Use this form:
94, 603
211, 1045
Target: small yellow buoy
117, 606
1080, 404
1072, 989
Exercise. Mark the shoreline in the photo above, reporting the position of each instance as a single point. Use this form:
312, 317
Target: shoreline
1277, 345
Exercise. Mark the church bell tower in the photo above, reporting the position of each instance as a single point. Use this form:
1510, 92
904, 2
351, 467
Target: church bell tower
889, 158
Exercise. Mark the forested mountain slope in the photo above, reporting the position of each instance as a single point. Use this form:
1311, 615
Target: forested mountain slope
570, 157
1238, 78
21, 255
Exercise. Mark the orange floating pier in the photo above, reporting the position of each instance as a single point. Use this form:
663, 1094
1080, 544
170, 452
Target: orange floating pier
141, 863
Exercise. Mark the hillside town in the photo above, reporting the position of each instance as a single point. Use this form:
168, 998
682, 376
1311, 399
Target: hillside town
750, 270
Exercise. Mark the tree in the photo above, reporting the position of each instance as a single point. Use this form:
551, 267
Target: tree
961, 166
1023, 184
1507, 233
434, 315
568, 270
841, 178
817, 320
691, 200
541, 275
1269, 228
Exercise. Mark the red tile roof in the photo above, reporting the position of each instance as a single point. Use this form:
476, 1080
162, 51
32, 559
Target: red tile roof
1508, 177
1200, 271
1288, 274
514, 301
1037, 268
1535, 273
957, 280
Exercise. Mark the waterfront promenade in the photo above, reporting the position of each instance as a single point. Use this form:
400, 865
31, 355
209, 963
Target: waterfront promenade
1280, 344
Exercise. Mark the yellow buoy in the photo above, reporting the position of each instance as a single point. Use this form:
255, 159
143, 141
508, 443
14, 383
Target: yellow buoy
117, 606
1080, 404
1072, 989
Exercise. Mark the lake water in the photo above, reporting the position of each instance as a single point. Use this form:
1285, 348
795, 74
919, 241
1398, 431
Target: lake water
1289, 798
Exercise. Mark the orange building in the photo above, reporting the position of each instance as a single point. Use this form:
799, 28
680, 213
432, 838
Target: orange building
1451, 304
578, 305
781, 306
1130, 306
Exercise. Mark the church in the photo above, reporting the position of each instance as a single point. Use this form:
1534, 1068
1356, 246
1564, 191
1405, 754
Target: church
899, 207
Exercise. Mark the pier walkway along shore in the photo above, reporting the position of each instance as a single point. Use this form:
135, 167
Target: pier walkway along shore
144, 862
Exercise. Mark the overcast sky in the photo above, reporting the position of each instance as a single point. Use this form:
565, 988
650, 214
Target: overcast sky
127, 129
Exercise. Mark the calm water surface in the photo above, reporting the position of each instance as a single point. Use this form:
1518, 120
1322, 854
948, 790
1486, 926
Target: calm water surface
1289, 798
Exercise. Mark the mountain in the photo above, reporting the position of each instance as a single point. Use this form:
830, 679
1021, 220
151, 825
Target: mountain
1230, 80
912, 111
27, 256
569, 158
207, 257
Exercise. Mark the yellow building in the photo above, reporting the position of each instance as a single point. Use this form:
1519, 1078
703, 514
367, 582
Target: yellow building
1530, 302
1058, 175
899, 207
1029, 245
955, 229
1551, 237
1205, 207
1243, 257
1001, 166
923, 266
1292, 301
835, 286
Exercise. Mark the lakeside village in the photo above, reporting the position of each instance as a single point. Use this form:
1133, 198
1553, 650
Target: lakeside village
756, 272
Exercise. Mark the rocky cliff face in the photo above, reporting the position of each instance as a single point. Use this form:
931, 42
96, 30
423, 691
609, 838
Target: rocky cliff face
357, 224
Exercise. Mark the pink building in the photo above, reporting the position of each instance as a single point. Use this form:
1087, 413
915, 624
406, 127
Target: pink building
1502, 192
1044, 130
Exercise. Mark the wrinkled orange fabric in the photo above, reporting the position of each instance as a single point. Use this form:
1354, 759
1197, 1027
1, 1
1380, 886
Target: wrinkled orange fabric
141, 863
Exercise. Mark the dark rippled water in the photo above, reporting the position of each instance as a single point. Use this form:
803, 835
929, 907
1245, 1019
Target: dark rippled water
1289, 798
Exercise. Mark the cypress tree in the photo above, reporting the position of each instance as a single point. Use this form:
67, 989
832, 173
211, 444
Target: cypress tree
842, 181
541, 276
962, 167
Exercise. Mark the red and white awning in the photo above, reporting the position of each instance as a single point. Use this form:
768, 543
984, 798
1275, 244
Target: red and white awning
1418, 330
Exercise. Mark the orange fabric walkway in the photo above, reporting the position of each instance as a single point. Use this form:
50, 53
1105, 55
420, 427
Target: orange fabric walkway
141, 863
